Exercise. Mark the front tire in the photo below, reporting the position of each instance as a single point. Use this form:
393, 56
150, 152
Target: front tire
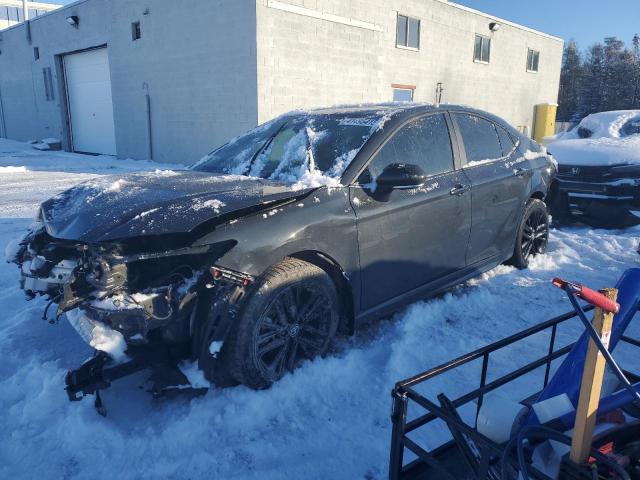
533, 233
291, 314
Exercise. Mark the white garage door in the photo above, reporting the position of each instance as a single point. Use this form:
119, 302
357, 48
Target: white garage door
90, 105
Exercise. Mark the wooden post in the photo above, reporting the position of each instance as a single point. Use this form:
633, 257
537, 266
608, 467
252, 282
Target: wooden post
591, 386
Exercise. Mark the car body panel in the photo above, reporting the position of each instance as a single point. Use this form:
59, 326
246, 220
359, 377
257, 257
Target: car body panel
411, 237
322, 222
137, 205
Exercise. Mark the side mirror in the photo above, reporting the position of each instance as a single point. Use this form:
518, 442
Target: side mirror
401, 175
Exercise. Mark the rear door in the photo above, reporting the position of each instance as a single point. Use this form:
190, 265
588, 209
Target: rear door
410, 237
500, 182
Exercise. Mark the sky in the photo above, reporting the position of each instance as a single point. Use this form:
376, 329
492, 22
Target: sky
586, 21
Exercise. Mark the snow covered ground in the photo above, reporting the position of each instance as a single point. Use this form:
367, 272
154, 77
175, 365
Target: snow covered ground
328, 420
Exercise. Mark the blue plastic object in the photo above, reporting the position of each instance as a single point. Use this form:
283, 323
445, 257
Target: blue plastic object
568, 377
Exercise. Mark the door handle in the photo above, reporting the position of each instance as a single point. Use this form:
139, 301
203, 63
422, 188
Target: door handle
459, 189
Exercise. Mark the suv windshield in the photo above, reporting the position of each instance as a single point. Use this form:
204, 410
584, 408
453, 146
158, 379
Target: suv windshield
292, 146
632, 127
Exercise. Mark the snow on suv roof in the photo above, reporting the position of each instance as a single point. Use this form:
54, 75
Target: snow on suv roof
605, 124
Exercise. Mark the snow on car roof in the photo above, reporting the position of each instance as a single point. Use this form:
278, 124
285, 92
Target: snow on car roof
604, 124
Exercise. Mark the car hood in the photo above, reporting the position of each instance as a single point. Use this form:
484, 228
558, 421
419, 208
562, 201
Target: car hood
164, 202
599, 152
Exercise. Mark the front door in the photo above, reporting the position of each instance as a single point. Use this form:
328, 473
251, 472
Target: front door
410, 237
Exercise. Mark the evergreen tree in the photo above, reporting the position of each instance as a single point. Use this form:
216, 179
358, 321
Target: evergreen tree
570, 81
593, 82
607, 78
635, 99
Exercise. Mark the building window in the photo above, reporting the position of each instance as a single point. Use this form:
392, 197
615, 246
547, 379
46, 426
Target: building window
13, 14
533, 60
482, 49
4, 13
136, 32
408, 32
403, 93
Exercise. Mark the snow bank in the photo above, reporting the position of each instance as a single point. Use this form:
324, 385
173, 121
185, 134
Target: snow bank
14, 153
11, 169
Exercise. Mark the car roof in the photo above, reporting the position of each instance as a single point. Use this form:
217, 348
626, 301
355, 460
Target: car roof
393, 109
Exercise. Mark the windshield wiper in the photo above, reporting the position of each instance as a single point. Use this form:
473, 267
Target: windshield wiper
264, 146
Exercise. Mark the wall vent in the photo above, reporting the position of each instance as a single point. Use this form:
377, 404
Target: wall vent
48, 84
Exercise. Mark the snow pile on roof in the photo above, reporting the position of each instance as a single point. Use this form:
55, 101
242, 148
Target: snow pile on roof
603, 124
606, 146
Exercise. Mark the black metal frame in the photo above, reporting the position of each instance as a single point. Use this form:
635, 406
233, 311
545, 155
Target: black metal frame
430, 462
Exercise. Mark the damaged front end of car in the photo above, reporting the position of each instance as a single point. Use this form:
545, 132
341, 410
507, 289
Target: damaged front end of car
133, 301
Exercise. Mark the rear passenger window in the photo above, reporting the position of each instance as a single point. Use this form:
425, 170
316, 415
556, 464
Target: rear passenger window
424, 142
506, 141
480, 138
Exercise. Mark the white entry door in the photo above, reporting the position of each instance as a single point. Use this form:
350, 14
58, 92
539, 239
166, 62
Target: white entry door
90, 105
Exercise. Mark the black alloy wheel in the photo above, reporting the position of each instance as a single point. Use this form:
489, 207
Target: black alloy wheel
290, 314
297, 325
533, 233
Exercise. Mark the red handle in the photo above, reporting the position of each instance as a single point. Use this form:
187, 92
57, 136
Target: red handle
594, 298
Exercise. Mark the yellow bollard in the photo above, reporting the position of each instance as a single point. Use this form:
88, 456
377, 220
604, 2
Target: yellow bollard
545, 120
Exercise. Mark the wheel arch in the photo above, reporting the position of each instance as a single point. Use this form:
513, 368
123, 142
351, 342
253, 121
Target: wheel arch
538, 195
341, 282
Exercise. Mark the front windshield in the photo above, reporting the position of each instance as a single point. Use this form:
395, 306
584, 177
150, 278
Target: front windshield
632, 127
295, 146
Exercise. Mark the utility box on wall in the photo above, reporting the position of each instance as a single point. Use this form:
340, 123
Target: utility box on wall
545, 121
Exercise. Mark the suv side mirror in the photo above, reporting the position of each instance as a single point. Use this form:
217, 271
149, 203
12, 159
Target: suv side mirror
401, 175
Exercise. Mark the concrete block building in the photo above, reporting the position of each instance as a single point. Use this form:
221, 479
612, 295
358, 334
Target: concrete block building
171, 80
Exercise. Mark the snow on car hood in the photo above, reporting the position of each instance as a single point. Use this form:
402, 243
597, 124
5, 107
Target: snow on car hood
164, 202
605, 147
597, 152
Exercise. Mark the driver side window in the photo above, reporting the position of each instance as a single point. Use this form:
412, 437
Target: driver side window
424, 142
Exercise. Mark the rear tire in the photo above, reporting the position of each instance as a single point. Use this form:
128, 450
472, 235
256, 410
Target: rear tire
291, 314
533, 233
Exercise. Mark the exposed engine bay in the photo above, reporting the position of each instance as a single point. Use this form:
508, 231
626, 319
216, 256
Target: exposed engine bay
116, 298
133, 294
